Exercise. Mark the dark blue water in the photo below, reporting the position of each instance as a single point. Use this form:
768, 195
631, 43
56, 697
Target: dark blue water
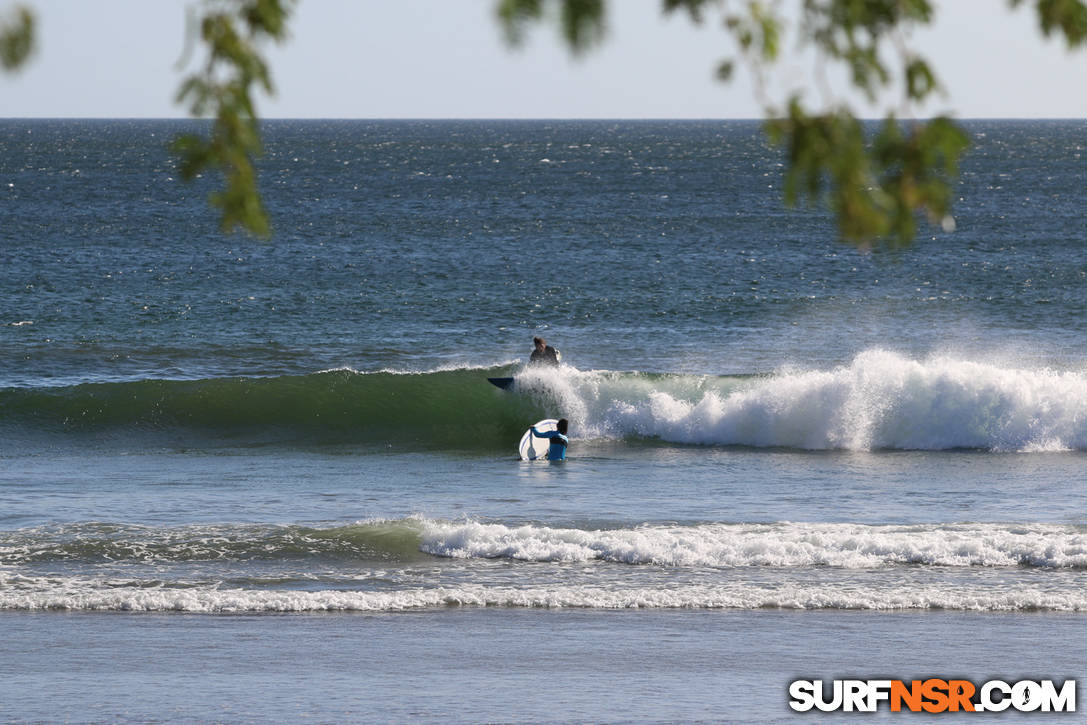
636, 246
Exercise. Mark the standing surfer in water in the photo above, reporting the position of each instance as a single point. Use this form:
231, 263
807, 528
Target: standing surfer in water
544, 354
559, 441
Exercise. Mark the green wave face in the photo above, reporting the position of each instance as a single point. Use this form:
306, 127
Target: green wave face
438, 410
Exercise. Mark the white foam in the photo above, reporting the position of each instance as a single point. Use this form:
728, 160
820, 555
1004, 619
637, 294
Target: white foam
851, 546
114, 596
880, 400
560, 387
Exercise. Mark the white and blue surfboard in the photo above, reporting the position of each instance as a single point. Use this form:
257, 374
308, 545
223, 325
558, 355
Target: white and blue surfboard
533, 447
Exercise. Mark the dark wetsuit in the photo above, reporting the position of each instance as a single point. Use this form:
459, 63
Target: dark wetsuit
549, 356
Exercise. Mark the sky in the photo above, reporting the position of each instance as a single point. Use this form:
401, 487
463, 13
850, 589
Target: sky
448, 59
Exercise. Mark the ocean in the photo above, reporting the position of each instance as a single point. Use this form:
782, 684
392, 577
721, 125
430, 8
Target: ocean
253, 481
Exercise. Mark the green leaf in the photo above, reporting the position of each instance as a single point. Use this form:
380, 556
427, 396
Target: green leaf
693, 8
515, 15
582, 23
1069, 17
876, 190
920, 80
232, 31
16, 39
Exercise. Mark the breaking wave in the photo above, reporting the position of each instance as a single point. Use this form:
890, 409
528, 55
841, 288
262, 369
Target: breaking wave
720, 545
880, 400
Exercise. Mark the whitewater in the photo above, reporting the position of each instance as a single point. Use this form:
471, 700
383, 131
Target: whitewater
879, 400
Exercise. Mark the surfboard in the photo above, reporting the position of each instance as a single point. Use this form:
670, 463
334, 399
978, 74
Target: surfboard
504, 383
532, 447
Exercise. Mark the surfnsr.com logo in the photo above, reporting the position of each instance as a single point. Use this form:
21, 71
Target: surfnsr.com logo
932, 695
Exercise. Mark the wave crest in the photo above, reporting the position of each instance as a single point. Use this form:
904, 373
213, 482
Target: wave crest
853, 546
